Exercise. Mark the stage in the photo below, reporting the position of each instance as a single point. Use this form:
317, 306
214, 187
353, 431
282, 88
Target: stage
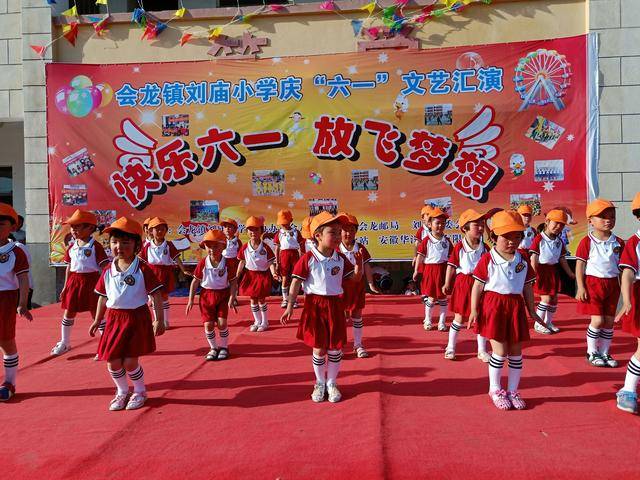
406, 411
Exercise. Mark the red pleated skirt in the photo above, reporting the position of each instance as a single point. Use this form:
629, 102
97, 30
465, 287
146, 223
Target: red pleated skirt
631, 322
547, 280
287, 261
256, 284
166, 276
127, 334
503, 318
433, 277
354, 295
214, 304
603, 296
8, 304
322, 324
460, 301
79, 293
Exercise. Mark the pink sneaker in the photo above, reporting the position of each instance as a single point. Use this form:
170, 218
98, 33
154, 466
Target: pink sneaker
516, 401
500, 399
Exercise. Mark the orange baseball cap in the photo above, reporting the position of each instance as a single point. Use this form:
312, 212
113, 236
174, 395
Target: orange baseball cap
469, 215
284, 216
304, 231
213, 236
598, 206
426, 210
229, 221
506, 221
557, 215
146, 221
351, 219
635, 205
157, 221
7, 210
126, 225
438, 212
82, 216
252, 221
324, 218
525, 209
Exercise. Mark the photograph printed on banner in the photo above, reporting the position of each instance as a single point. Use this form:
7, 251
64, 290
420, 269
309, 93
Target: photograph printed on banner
317, 205
204, 211
175, 125
438, 114
548, 170
443, 203
531, 199
267, 183
105, 218
74, 195
544, 132
78, 162
364, 179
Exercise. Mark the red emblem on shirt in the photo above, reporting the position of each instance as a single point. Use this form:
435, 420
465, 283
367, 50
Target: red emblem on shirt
520, 267
220, 273
130, 280
87, 252
4, 257
335, 270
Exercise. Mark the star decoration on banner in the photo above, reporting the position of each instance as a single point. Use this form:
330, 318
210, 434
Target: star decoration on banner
232, 178
276, 60
548, 186
372, 197
570, 137
297, 195
377, 111
352, 69
383, 58
246, 200
291, 204
403, 194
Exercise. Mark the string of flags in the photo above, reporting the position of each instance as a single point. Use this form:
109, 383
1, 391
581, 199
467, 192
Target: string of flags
392, 18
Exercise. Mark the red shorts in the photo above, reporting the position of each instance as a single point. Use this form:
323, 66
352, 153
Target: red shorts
353, 297
79, 293
214, 304
127, 334
256, 284
460, 301
322, 324
631, 322
8, 305
503, 318
287, 261
603, 295
433, 277
547, 280
166, 276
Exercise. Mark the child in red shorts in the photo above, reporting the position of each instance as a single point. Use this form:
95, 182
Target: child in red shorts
526, 213
129, 331
421, 233
321, 272
597, 273
289, 247
217, 293
501, 291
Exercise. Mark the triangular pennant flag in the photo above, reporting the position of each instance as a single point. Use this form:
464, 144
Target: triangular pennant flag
72, 12
402, 3
160, 27
369, 7
93, 19
357, 26
180, 12
138, 17
70, 32
39, 49
388, 12
215, 32
101, 2
439, 12
51, 2
428, 9
276, 7
100, 27
149, 32
328, 6
373, 32
185, 38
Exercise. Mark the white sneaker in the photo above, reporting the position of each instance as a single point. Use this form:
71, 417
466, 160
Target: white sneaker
552, 327
263, 328
136, 401
60, 348
484, 357
442, 327
334, 393
319, 390
119, 402
538, 327
96, 358
427, 325
254, 327
295, 305
284, 304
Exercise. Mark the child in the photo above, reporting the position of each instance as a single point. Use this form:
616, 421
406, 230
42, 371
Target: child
217, 294
462, 262
230, 253
14, 290
627, 398
258, 259
85, 259
526, 213
20, 241
321, 272
503, 277
433, 254
411, 288
422, 232
129, 331
598, 255
145, 229
306, 234
161, 255
288, 243
354, 288
547, 251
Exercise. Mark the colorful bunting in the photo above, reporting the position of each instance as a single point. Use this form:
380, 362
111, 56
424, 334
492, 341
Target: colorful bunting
39, 49
101, 2
138, 17
70, 32
357, 26
389, 12
328, 5
180, 12
215, 32
185, 38
369, 7
276, 8
402, 3
100, 26
72, 12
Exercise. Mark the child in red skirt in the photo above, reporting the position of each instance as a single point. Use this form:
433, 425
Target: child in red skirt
462, 262
503, 277
85, 259
597, 272
129, 331
14, 291
526, 213
321, 272
627, 398
355, 288
288, 242
162, 257
259, 261
217, 293
547, 251
421, 233
233, 243
433, 254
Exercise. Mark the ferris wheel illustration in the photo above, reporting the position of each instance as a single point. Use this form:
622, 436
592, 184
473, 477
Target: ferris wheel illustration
542, 77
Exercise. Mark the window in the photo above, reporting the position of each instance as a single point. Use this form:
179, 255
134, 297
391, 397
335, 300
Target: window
6, 185
154, 5
86, 7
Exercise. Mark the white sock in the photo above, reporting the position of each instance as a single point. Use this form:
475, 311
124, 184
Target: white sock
633, 375
285, 293
551, 310
10, 368
119, 377
495, 372
224, 337
593, 335
453, 335
482, 343
515, 370
263, 314
606, 335
102, 325
428, 305
357, 331
542, 310
165, 311
335, 358
211, 337
255, 310
443, 310
65, 335
137, 377
319, 364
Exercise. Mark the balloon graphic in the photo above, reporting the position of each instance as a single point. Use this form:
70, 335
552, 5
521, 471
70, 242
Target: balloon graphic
96, 96
80, 102
81, 81
107, 93
315, 178
61, 99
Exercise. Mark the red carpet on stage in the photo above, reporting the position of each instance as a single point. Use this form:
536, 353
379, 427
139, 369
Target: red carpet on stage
406, 411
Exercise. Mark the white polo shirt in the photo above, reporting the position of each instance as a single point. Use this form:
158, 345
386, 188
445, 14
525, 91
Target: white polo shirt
434, 250
549, 250
422, 233
213, 278
631, 255
257, 260
233, 247
288, 239
351, 254
13, 262
163, 254
501, 276
86, 259
464, 258
322, 275
127, 290
527, 240
602, 258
